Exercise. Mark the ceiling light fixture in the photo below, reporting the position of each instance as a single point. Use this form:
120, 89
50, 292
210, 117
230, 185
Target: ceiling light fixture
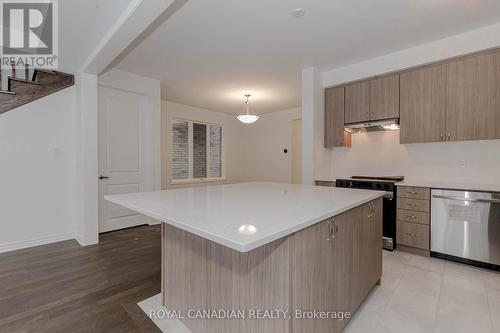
247, 116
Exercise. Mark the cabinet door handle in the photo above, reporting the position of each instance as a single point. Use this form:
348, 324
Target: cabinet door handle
442, 136
411, 204
412, 192
449, 135
372, 210
411, 234
331, 230
411, 216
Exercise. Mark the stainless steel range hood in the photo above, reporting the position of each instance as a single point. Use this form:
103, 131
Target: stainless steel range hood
373, 126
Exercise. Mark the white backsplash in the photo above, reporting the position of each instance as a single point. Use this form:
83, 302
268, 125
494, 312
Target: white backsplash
379, 153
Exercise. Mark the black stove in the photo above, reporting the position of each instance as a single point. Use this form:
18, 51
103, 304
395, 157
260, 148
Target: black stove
387, 184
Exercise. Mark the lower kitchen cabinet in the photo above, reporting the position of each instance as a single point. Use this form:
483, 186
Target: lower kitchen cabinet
419, 205
367, 258
413, 219
341, 261
413, 235
320, 274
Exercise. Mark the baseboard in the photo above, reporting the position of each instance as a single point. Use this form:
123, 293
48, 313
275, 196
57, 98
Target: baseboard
412, 250
35, 242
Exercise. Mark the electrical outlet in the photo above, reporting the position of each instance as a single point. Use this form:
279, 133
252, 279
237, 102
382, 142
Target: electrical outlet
462, 163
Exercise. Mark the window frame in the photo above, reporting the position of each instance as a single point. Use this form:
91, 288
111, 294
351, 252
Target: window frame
190, 179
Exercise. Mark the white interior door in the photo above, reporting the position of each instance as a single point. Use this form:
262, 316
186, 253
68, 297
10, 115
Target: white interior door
297, 151
122, 155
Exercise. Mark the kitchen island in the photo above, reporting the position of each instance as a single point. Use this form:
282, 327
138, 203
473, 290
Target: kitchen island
265, 257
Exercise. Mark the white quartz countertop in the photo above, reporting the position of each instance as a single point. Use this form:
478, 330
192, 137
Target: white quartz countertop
452, 186
247, 215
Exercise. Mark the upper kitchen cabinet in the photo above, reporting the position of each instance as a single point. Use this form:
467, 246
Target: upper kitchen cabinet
335, 135
473, 90
375, 99
384, 98
357, 102
423, 105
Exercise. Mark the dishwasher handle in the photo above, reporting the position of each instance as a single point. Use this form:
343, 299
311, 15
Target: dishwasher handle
493, 201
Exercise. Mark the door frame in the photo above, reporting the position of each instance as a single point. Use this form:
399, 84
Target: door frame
151, 89
293, 150
145, 156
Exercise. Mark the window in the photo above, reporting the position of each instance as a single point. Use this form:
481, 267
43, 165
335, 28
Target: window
196, 151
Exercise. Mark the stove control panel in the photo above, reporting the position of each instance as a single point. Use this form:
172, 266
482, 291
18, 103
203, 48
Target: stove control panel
366, 184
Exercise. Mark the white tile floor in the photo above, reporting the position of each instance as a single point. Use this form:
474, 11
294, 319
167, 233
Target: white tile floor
417, 295
422, 295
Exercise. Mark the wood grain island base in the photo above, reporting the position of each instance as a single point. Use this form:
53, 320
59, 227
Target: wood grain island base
329, 267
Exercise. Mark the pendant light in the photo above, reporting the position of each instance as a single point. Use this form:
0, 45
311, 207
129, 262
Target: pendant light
247, 116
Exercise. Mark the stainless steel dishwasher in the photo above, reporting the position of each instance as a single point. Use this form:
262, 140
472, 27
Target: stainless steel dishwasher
465, 226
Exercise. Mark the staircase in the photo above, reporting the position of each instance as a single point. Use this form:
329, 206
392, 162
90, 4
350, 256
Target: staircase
19, 87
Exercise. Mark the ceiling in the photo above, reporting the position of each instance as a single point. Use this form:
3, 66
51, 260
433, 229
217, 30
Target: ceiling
82, 25
210, 53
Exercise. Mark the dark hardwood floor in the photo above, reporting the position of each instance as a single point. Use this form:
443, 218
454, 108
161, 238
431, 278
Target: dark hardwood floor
63, 287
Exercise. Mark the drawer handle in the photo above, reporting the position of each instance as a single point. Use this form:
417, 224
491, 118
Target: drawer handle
411, 234
412, 192
412, 216
411, 204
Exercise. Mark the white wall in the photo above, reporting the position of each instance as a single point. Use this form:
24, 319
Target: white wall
265, 141
450, 47
380, 153
252, 152
48, 148
87, 171
314, 160
38, 171
233, 148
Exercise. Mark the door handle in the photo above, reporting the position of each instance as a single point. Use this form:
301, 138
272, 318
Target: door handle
103, 177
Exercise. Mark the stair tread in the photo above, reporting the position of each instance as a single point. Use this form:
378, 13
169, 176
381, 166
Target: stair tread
22, 91
24, 81
48, 71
